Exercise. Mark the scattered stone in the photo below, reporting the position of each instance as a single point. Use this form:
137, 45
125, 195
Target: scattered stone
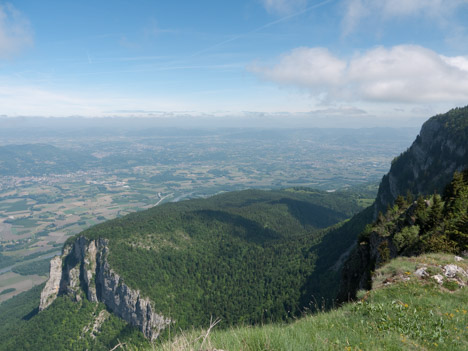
458, 259
421, 272
451, 270
438, 278
100, 319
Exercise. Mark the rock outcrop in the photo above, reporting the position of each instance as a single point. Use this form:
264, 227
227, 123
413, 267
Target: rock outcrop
83, 269
428, 165
51, 289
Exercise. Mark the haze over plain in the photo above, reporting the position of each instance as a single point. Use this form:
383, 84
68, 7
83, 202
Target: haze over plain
347, 62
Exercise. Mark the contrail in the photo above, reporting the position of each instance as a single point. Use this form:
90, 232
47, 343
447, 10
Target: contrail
270, 24
173, 65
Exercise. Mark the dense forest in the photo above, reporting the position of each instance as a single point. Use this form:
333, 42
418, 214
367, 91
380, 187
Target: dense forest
67, 325
428, 224
409, 227
244, 257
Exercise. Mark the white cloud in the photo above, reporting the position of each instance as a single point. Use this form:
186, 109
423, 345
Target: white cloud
15, 31
404, 73
306, 67
283, 6
358, 10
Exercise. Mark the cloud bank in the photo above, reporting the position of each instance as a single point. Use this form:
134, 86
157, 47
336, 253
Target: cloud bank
405, 73
15, 31
358, 10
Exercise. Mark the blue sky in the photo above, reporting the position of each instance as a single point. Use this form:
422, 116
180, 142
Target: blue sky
391, 62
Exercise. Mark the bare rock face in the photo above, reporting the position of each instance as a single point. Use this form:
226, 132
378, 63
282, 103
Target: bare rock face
83, 267
125, 302
426, 166
51, 289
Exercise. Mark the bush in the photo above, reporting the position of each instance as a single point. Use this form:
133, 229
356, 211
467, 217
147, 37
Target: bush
406, 238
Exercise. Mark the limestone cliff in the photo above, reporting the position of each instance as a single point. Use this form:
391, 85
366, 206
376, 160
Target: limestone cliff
83, 267
51, 289
426, 167
440, 149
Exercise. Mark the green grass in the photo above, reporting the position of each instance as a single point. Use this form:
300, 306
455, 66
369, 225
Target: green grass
7, 291
11, 280
21, 205
24, 222
365, 202
410, 314
40, 267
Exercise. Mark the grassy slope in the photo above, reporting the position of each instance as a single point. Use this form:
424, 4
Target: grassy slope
409, 313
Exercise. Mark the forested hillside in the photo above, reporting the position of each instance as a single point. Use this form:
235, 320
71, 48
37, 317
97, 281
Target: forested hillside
410, 227
69, 325
406, 311
244, 257
254, 257
430, 224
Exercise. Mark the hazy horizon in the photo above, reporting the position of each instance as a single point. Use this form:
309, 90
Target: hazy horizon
345, 62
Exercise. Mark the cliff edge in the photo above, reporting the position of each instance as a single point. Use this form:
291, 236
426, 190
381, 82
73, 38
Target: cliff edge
440, 149
82, 271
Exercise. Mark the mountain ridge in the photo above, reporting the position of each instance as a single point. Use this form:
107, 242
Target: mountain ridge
427, 167
439, 150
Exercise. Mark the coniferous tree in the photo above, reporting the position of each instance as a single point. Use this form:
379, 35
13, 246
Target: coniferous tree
421, 212
436, 212
400, 202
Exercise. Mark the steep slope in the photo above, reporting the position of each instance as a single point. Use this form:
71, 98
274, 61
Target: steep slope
426, 167
67, 325
245, 257
440, 149
406, 311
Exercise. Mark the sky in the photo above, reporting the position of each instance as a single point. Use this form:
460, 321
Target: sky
352, 62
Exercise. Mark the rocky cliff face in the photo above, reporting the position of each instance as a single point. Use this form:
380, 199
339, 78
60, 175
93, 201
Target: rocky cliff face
83, 268
440, 149
366, 257
428, 165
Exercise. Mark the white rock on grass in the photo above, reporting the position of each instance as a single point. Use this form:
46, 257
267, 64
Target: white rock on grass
458, 259
421, 272
438, 278
451, 270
